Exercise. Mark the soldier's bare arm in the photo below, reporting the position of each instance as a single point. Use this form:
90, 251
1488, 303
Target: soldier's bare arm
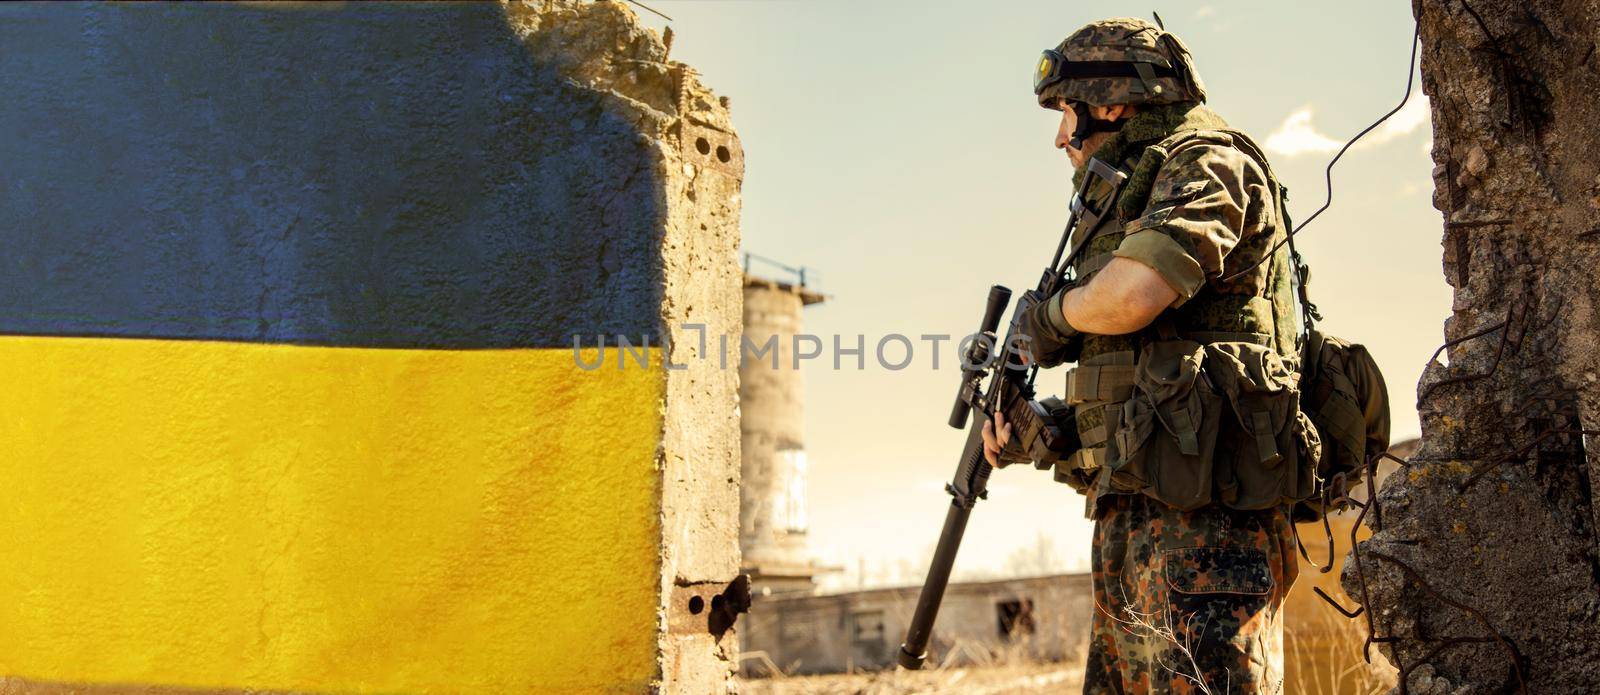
1199, 207
1124, 297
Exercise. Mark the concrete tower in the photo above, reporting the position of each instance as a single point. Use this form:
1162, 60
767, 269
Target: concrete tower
772, 514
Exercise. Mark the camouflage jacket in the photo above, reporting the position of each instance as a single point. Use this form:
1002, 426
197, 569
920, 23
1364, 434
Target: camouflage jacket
1197, 212
1199, 207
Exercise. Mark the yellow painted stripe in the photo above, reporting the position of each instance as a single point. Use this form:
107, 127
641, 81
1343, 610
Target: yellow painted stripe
228, 515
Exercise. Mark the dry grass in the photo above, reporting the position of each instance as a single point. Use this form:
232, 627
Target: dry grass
963, 668
1321, 656
1159, 627
1024, 679
1322, 651
1324, 656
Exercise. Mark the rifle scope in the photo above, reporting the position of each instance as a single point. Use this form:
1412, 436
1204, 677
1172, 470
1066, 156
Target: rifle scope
972, 364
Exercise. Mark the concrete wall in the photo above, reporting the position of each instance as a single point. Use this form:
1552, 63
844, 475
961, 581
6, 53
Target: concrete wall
863, 629
286, 327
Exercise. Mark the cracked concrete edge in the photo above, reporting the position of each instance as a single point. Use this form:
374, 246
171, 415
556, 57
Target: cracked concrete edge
700, 444
601, 46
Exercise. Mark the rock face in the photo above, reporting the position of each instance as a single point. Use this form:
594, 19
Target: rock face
288, 390
1484, 571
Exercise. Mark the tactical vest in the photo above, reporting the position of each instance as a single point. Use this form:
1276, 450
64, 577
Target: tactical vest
1201, 406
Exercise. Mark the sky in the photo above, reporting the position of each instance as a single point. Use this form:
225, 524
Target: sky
896, 151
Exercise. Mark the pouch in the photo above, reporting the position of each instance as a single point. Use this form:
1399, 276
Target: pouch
1215, 422
1217, 570
1166, 438
1267, 449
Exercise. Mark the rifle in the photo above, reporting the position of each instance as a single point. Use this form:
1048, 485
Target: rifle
1010, 372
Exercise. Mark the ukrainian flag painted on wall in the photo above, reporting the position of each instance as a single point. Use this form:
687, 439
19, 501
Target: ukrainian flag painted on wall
288, 399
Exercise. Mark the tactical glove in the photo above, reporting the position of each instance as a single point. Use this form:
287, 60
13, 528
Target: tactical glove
1051, 340
1046, 431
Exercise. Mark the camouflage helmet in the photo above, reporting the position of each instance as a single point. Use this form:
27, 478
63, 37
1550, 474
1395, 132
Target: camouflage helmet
1118, 61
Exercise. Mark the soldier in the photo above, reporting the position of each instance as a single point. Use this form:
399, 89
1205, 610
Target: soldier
1181, 323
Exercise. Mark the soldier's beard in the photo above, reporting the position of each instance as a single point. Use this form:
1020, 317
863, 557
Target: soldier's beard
1080, 158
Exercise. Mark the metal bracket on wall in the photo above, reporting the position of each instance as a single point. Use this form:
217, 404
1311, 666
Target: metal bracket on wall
710, 607
709, 148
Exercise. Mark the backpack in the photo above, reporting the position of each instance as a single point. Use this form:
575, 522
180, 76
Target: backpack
1343, 392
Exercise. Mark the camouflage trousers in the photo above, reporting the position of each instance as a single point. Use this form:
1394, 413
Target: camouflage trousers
1188, 602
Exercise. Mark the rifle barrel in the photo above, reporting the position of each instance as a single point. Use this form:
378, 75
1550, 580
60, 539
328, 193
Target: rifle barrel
915, 649
972, 476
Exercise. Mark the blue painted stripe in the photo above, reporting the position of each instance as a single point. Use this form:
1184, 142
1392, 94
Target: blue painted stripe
365, 175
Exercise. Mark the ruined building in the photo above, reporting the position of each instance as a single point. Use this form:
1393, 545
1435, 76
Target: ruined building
1038, 618
774, 467
1483, 574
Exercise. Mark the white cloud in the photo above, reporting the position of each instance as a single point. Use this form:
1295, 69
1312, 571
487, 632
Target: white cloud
1298, 135
1204, 11
1404, 122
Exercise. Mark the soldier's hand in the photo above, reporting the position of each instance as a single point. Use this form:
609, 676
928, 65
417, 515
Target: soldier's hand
1041, 331
993, 444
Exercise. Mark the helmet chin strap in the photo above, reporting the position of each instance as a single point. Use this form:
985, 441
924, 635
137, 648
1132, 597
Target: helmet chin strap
1089, 126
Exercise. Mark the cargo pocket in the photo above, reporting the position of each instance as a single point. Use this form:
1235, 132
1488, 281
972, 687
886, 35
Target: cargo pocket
1271, 447
1217, 570
1166, 432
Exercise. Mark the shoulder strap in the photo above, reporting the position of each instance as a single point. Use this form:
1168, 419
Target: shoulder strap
1089, 218
1302, 272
